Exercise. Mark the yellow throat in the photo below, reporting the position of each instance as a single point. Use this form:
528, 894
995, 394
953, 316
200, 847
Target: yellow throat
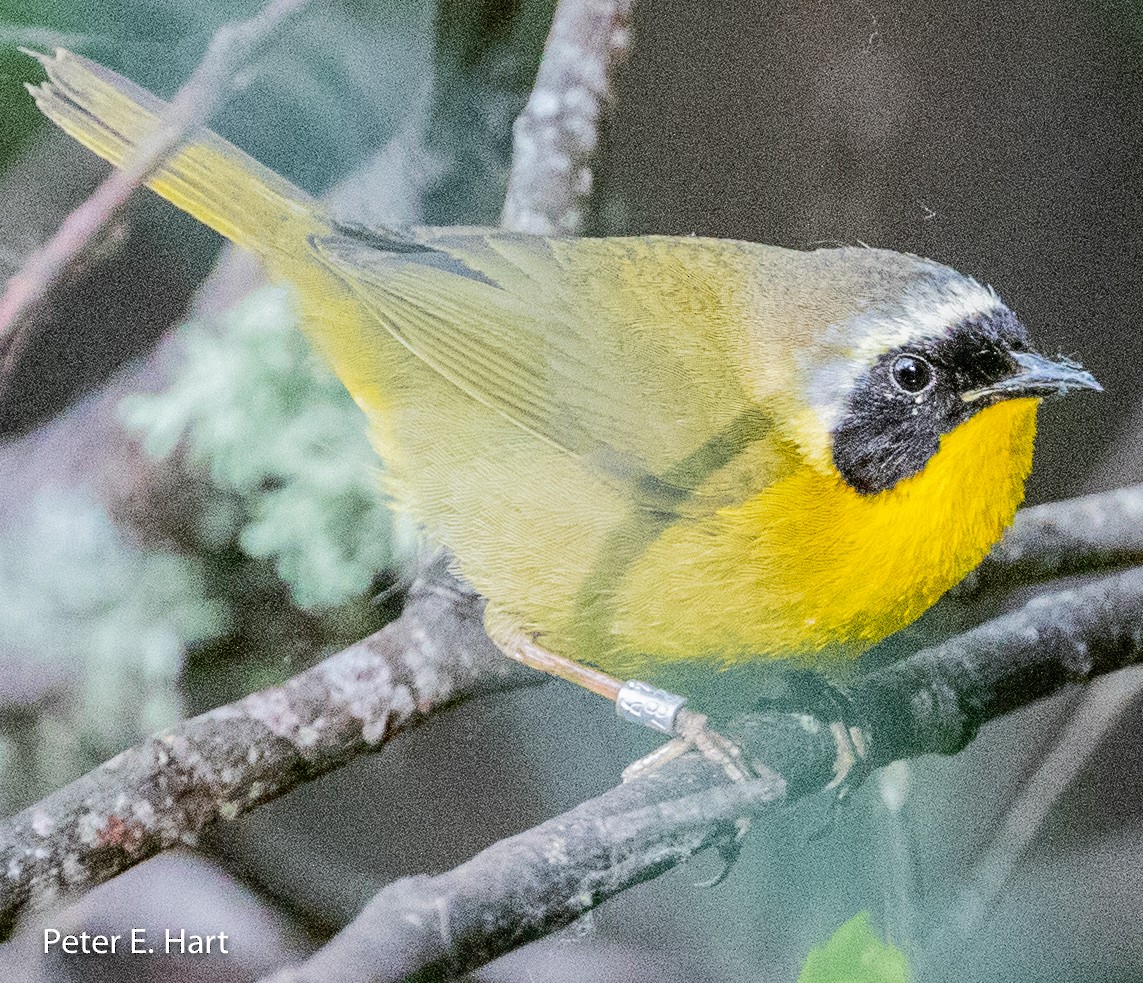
812, 565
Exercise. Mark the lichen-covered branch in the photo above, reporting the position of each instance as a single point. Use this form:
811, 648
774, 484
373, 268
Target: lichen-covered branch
523, 887
556, 135
226, 762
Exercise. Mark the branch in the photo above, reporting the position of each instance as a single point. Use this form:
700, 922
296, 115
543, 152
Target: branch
556, 135
937, 700
226, 762
1084, 534
526, 886
531, 884
229, 52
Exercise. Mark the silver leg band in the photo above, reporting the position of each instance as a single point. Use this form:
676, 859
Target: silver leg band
646, 705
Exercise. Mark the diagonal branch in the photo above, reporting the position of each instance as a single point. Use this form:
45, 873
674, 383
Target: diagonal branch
163, 792
531, 884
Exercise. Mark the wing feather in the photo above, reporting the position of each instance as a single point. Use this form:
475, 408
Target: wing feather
563, 338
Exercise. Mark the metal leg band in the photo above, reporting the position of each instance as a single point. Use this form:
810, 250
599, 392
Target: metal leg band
646, 705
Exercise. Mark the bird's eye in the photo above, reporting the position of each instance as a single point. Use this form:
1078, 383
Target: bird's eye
912, 374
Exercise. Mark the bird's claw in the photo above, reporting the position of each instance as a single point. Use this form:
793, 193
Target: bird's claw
693, 731
850, 767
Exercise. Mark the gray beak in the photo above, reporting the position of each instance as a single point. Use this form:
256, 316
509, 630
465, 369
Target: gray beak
1037, 376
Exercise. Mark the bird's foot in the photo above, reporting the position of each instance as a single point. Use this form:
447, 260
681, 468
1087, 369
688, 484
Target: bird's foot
809, 692
665, 712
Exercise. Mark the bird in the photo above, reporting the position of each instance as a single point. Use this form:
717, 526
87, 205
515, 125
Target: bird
646, 452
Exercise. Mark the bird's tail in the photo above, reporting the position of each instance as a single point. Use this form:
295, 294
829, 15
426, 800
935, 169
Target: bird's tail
209, 178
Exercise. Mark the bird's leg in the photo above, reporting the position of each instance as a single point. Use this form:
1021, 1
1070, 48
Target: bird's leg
521, 648
638, 702
664, 712
807, 692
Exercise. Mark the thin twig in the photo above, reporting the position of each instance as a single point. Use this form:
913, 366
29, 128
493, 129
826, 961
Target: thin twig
210, 84
1103, 704
223, 763
556, 135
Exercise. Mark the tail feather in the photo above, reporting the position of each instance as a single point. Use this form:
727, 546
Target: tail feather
209, 178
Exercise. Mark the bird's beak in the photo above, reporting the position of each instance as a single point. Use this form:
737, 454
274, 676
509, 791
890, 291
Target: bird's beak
1037, 376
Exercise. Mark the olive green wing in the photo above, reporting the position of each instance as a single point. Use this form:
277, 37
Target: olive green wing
619, 352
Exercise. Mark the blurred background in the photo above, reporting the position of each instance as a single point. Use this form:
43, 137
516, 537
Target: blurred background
187, 513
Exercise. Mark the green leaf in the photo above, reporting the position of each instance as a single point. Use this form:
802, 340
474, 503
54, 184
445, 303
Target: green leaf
855, 954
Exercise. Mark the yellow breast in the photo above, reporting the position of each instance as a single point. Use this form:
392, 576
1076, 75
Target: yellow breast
808, 565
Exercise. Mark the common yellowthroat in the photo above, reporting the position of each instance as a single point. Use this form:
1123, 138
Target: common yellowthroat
646, 450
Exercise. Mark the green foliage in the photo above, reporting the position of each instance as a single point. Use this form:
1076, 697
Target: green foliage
854, 954
265, 420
